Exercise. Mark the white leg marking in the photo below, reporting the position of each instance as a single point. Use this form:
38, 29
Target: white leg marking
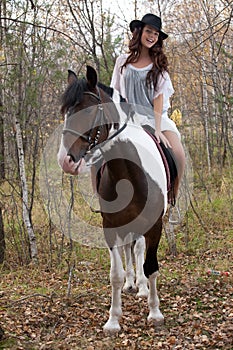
117, 280
141, 280
155, 316
129, 285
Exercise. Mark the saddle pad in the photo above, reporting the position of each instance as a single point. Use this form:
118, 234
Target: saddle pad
168, 160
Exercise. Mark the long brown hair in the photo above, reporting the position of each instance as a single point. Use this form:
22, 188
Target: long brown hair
158, 57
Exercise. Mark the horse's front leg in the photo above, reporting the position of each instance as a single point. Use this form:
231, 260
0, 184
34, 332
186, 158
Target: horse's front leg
129, 285
155, 315
117, 279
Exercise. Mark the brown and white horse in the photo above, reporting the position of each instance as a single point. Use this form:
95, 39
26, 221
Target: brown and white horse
130, 180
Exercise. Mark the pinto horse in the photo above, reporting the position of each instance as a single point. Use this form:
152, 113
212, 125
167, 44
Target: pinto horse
130, 180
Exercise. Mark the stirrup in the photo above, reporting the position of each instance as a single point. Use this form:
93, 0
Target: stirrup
174, 217
91, 205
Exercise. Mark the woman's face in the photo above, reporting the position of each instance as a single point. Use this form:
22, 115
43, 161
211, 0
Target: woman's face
149, 36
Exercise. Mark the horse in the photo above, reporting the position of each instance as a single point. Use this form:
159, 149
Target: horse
131, 183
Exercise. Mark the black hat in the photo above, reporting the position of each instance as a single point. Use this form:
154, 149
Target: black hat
151, 20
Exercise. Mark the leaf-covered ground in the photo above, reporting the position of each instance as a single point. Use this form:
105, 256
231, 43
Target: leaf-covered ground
198, 308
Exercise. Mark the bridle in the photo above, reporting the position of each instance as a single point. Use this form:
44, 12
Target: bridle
98, 120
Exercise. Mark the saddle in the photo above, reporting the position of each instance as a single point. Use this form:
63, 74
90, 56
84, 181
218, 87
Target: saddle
169, 164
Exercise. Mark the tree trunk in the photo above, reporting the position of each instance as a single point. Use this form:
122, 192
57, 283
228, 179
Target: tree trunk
2, 239
2, 164
26, 216
205, 103
1, 333
2, 176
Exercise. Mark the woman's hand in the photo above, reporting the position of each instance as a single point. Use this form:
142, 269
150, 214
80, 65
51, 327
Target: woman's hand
162, 138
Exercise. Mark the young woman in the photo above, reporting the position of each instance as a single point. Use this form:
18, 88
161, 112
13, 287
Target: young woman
142, 78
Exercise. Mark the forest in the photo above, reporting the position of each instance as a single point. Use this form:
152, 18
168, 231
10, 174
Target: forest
54, 286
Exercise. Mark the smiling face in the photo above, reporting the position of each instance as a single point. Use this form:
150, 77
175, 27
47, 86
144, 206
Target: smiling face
149, 36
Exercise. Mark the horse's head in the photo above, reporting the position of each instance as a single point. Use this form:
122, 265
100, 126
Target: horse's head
89, 115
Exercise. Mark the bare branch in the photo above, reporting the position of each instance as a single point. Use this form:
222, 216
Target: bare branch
44, 27
225, 32
209, 36
32, 4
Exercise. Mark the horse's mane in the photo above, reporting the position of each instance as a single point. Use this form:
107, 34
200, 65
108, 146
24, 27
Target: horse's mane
73, 94
109, 91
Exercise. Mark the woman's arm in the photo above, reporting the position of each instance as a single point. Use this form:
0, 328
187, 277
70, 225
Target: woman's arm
117, 81
158, 109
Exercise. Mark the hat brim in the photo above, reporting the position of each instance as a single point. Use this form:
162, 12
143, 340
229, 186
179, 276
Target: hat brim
138, 24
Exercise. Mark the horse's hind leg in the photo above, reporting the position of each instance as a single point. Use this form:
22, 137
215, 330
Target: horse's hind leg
117, 280
151, 271
155, 315
141, 280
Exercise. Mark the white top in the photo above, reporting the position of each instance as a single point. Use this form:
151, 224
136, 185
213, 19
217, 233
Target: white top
131, 85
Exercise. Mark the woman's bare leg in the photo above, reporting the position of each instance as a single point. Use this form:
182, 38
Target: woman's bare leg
179, 155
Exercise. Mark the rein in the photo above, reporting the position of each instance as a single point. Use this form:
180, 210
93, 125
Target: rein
88, 138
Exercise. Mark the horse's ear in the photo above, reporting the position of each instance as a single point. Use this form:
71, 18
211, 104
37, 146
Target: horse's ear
72, 77
91, 76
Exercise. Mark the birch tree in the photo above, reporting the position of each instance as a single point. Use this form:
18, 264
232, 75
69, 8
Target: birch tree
97, 38
2, 164
24, 187
27, 100
204, 46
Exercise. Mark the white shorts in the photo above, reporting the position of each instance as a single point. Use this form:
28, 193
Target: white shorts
166, 123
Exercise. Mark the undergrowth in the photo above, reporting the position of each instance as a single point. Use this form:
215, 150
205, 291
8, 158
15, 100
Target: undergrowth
62, 301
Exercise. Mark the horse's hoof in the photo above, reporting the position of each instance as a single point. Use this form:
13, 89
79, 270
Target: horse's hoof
130, 289
143, 293
111, 328
156, 322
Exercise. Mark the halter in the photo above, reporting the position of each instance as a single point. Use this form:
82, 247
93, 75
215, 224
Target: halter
99, 118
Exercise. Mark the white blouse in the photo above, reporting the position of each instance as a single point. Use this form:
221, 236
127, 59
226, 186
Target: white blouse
131, 84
